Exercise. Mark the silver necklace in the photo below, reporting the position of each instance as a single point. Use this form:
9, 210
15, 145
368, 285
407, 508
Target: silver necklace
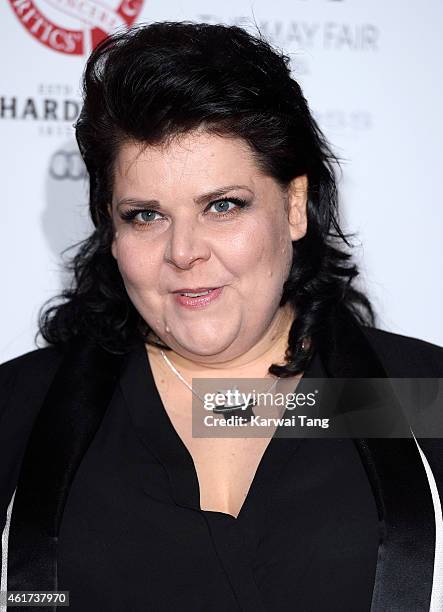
243, 410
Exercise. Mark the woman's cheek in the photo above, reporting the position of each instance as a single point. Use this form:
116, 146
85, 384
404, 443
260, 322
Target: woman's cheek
247, 244
134, 263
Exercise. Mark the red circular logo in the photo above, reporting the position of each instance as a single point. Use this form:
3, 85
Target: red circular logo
75, 27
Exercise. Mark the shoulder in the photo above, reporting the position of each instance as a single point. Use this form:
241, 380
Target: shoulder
404, 356
24, 381
32, 368
38, 358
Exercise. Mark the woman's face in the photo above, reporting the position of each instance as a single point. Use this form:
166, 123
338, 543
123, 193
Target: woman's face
199, 213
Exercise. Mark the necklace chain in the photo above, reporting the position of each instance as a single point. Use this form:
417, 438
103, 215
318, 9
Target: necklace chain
177, 373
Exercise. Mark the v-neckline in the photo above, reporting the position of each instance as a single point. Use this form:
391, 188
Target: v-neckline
159, 435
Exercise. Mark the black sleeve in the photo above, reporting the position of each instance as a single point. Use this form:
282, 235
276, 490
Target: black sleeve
406, 357
24, 382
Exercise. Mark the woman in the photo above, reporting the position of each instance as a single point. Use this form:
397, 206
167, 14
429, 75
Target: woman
216, 254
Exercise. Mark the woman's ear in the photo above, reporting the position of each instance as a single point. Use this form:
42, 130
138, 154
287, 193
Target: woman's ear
297, 207
113, 245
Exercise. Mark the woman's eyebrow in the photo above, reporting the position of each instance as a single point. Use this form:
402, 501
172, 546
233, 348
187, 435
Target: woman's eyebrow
199, 200
219, 192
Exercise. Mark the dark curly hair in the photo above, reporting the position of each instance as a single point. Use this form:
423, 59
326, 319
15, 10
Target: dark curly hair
157, 81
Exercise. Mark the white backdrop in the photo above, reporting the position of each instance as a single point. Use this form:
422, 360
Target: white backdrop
371, 71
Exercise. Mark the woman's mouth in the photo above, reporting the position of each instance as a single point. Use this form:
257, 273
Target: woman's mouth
199, 299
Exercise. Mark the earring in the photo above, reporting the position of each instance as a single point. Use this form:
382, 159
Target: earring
306, 343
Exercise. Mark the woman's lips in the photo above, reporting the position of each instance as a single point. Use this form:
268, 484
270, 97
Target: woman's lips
198, 302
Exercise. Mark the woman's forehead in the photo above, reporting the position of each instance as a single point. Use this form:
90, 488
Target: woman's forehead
185, 146
194, 158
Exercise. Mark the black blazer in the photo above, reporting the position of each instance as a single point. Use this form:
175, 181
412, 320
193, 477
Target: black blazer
52, 402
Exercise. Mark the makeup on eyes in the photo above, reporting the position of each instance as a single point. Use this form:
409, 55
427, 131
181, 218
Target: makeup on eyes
130, 214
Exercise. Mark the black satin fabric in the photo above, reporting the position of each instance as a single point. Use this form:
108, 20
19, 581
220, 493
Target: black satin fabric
71, 414
133, 536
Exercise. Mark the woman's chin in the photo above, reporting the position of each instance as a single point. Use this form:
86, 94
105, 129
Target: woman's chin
203, 341
207, 348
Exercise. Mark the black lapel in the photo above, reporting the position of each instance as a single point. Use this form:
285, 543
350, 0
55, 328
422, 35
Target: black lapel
66, 423
404, 573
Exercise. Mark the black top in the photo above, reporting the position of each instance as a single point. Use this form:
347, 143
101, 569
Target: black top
133, 536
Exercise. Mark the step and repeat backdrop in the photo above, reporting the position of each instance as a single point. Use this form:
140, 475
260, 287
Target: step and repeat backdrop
371, 71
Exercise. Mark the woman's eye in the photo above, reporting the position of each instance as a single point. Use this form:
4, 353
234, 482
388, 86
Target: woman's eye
223, 205
146, 216
139, 217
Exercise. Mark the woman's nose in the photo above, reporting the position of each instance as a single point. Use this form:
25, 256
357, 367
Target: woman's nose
186, 244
